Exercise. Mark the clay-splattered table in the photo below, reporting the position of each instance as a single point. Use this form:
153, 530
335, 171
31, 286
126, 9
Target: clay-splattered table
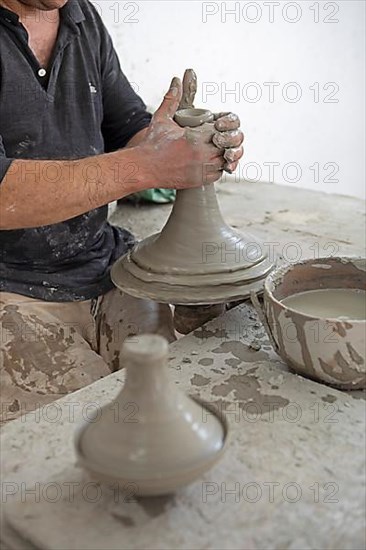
293, 476
294, 473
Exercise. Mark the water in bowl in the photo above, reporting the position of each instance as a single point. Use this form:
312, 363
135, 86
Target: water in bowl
330, 303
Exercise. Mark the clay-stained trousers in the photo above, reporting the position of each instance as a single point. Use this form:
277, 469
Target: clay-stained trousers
48, 349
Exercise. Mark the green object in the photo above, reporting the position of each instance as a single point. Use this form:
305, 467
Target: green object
159, 196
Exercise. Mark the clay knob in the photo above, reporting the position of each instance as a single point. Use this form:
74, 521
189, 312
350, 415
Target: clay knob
189, 89
152, 434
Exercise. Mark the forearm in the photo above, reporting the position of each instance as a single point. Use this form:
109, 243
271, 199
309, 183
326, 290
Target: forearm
35, 193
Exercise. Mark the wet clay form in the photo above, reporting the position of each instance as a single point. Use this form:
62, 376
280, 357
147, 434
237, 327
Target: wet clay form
317, 338
152, 434
197, 258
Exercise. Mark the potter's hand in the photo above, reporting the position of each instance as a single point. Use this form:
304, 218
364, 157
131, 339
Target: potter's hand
229, 137
177, 160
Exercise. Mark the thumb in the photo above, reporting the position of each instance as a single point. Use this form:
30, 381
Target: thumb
171, 100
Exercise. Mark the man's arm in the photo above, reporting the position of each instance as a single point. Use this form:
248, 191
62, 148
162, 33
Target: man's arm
35, 193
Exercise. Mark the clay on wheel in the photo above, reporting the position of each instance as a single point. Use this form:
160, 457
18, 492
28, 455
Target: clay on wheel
197, 258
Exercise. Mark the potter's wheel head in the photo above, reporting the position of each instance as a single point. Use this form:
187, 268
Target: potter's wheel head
196, 259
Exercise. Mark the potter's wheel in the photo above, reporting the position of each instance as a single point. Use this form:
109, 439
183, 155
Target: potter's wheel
197, 259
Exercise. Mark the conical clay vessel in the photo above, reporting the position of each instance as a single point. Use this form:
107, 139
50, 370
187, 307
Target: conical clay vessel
197, 258
152, 434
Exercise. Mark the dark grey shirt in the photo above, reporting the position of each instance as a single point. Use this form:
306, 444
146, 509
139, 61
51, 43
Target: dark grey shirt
82, 106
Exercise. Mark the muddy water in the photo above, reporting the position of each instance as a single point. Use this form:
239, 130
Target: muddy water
332, 303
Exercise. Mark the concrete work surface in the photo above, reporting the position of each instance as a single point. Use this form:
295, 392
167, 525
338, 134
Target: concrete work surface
294, 473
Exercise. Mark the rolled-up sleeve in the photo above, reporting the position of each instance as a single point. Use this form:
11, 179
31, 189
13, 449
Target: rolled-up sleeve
5, 162
125, 113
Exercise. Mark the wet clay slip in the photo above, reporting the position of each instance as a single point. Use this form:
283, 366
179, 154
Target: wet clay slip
317, 338
152, 434
197, 258
346, 304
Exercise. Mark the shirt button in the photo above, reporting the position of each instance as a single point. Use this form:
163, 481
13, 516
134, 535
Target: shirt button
41, 72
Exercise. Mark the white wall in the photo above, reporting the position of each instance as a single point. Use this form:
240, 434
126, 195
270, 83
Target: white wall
324, 129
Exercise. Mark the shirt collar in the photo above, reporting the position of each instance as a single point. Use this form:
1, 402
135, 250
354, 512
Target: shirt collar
73, 10
8, 16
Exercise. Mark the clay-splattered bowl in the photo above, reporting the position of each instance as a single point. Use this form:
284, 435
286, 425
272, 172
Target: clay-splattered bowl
327, 350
